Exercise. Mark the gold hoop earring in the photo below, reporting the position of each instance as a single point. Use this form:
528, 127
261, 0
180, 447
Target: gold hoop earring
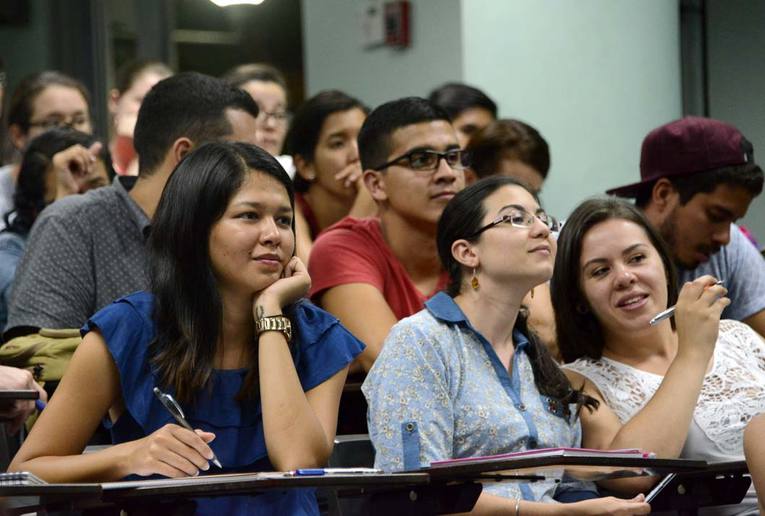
474, 280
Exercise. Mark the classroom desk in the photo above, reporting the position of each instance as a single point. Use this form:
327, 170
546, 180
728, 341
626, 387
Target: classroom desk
719, 483
401, 493
19, 394
694, 484
9, 397
429, 491
576, 468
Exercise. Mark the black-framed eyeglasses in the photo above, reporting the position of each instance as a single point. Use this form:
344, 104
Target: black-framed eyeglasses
279, 117
74, 122
520, 218
425, 160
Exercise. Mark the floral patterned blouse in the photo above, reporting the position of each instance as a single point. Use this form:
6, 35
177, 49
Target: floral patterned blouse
439, 391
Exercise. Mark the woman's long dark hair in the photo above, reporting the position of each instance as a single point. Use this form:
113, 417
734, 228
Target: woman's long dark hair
305, 128
188, 309
579, 331
461, 218
29, 197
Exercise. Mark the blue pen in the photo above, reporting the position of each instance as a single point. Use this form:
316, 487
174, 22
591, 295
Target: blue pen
317, 472
40, 405
309, 472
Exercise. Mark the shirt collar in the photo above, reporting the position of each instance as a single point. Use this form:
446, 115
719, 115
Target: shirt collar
442, 307
122, 185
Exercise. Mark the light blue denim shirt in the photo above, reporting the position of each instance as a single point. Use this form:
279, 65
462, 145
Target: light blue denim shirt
11, 250
439, 391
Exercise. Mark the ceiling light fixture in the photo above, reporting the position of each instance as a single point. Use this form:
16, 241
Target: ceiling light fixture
226, 3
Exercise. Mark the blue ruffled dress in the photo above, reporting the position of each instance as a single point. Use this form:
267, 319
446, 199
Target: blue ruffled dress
323, 347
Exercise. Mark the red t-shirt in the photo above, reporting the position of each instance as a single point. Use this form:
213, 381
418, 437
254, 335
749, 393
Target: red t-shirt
308, 214
354, 251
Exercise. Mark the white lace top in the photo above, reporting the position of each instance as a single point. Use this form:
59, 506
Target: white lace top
732, 393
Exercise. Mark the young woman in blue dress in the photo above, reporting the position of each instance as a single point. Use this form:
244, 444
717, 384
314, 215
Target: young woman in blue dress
257, 370
465, 378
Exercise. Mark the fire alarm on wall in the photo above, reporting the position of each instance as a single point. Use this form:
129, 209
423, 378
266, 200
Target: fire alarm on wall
397, 23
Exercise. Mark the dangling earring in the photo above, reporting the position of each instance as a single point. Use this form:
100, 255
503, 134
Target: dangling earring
474, 280
532, 293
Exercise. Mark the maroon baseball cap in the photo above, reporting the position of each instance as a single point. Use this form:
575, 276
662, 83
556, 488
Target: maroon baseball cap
686, 146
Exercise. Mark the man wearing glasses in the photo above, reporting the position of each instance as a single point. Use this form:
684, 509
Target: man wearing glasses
372, 272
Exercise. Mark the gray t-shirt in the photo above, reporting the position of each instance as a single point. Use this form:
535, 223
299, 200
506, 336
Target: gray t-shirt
742, 268
84, 251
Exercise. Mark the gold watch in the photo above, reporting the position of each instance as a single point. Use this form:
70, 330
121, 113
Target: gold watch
275, 323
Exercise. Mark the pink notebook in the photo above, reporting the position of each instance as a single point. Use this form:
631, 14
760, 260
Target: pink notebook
550, 452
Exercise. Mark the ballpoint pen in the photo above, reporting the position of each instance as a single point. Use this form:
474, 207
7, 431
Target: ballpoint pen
318, 472
175, 410
669, 312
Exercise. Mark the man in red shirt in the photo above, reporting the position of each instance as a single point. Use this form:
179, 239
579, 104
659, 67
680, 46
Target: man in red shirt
372, 272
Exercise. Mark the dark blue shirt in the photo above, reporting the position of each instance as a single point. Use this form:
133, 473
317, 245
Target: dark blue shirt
322, 348
11, 250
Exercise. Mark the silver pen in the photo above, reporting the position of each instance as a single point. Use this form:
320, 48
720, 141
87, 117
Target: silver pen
175, 410
669, 312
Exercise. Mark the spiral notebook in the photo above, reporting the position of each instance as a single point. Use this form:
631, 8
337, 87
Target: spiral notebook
21, 478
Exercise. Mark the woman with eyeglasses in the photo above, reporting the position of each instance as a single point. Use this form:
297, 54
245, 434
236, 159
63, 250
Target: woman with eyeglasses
41, 101
684, 386
268, 88
322, 142
57, 163
464, 377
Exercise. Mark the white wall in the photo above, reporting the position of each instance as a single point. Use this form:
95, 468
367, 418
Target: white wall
334, 56
736, 60
594, 76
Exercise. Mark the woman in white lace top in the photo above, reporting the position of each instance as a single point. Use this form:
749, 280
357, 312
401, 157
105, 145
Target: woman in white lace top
683, 388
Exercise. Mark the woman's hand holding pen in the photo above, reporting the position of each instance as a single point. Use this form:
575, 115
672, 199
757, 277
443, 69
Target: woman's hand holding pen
172, 451
293, 285
17, 411
697, 316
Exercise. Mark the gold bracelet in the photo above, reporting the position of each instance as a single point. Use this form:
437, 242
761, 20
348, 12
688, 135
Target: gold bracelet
275, 323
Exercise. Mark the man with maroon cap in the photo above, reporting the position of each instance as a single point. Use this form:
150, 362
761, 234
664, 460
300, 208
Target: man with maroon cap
698, 176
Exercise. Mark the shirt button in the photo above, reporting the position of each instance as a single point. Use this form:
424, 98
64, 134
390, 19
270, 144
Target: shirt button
410, 427
521, 407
